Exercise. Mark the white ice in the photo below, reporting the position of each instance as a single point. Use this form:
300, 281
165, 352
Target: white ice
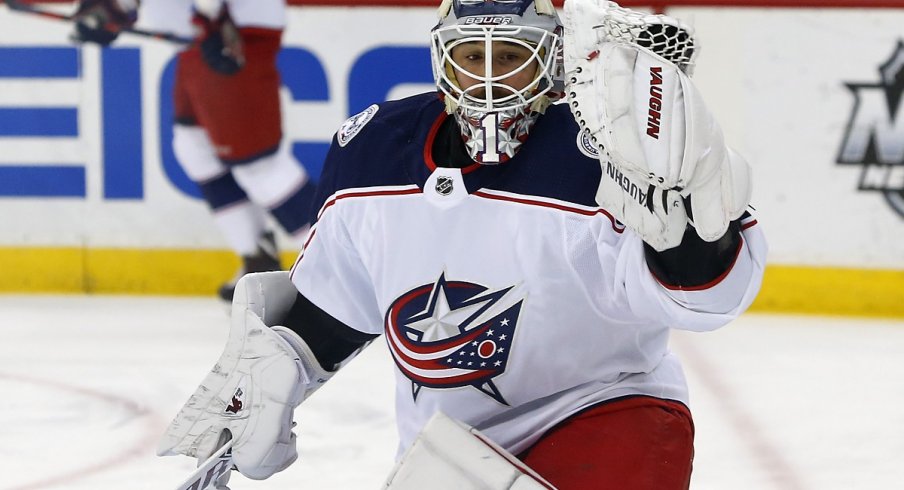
87, 384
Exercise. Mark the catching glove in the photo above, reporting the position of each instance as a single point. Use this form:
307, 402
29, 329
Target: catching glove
100, 21
629, 91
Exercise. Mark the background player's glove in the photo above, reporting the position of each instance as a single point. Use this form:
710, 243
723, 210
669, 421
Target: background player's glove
220, 42
252, 391
628, 89
100, 21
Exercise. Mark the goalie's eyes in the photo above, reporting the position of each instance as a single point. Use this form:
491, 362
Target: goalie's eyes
505, 56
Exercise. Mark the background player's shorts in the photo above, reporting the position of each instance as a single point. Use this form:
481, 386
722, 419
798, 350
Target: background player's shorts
630, 443
240, 112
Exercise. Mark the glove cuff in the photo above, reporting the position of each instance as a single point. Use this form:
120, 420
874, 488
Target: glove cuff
695, 263
314, 374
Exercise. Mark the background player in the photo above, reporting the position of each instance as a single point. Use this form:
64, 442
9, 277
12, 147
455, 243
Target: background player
477, 232
228, 129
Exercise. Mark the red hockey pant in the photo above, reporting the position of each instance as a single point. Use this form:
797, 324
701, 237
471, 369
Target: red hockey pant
240, 112
633, 443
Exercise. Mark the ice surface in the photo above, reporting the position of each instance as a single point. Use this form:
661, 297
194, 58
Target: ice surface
89, 383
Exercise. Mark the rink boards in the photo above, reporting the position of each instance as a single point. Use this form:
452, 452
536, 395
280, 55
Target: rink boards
92, 198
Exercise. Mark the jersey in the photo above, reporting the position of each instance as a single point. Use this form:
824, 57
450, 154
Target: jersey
508, 298
174, 16
223, 105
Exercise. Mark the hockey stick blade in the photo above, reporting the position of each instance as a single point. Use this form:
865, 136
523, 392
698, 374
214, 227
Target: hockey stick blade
207, 474
17, 6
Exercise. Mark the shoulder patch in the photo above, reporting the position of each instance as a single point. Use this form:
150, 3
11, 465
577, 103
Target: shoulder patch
353, 125
586, 145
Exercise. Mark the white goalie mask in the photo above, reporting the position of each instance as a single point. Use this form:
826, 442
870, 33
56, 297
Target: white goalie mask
494, 113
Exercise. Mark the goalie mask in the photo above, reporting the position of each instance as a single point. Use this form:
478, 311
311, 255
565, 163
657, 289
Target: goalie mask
497, 64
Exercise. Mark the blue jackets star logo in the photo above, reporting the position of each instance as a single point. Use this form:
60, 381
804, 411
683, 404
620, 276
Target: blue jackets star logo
452, 333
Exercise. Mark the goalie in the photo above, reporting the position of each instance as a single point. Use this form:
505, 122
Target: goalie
525, 261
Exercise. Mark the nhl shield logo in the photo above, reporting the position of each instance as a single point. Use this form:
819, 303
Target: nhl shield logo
444, 185
874, 139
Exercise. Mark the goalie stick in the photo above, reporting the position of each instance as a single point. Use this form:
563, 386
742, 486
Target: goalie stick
210, 471
17, 6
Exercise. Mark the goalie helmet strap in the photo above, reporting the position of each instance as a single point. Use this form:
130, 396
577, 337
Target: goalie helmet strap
330, 340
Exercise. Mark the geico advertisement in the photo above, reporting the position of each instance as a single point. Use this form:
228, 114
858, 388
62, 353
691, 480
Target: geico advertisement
87, 158
86, 132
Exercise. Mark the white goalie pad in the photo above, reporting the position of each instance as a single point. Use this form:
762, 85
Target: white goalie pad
449, 455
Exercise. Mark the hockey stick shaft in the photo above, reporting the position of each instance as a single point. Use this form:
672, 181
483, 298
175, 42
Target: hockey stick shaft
210, 471
17, 6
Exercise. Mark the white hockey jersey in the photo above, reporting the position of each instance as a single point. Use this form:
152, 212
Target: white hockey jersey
174, 16
508, 298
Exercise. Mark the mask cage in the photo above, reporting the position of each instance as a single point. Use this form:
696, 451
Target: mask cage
542, 44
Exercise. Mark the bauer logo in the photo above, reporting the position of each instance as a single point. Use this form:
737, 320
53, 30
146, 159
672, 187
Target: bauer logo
874, 138
489, 19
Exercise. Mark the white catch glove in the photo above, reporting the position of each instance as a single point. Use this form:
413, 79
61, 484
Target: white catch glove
648, 121
252, 391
